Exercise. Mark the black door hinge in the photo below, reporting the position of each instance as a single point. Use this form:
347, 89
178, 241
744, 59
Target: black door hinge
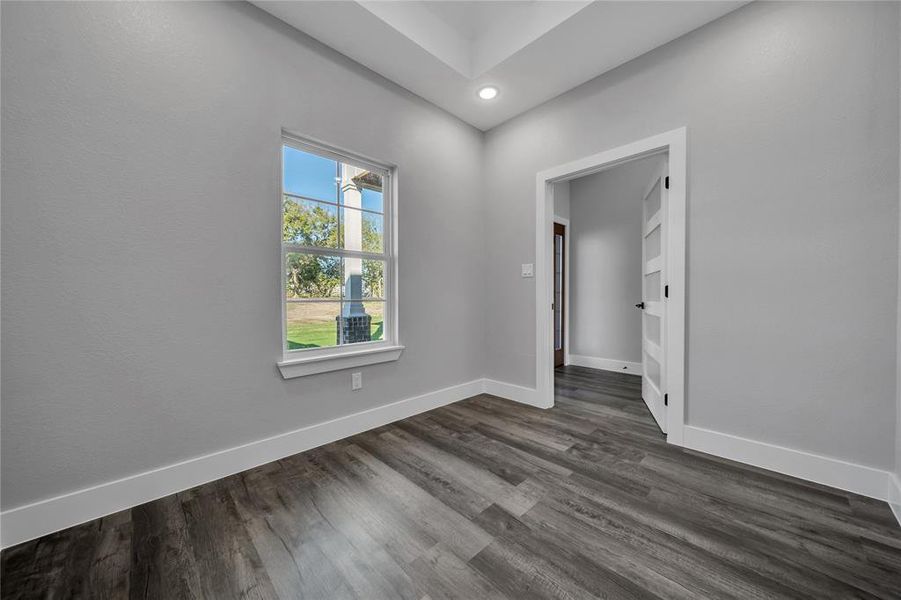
666, 291
666, 182
665, 399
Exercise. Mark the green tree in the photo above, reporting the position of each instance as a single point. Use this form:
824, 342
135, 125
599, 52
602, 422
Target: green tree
373, 278
307, 275
310, 224
312, 276
373, 272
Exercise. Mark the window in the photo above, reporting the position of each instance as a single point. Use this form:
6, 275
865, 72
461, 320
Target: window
338, 262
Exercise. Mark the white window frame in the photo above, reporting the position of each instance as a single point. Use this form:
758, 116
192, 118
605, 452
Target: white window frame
309, 361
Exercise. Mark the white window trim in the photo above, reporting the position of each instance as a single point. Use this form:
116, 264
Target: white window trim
309, 361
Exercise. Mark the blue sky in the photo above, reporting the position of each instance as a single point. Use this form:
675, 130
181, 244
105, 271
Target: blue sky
313, 176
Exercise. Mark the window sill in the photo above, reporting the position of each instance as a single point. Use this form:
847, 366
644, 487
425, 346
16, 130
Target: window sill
301, 367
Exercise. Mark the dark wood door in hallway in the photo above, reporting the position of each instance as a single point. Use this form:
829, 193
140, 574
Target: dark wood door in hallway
560, 299
485, 499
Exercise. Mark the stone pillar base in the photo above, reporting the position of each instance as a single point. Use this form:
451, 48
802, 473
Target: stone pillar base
357, 328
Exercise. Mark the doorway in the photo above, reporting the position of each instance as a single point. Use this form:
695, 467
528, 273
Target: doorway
663, 276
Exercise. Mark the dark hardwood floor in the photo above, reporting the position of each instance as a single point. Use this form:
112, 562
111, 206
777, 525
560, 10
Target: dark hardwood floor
484, 499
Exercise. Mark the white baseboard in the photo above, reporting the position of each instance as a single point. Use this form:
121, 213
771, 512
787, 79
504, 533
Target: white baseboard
516, 393
46, 516
894, 495
850, 477
607, 364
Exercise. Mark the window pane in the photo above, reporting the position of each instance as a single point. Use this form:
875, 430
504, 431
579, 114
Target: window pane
376, 310
310, 223
363, 279
311, 276
361, 188
361, 230
373, 233
309, 175
372, 200
363, 321
312, 324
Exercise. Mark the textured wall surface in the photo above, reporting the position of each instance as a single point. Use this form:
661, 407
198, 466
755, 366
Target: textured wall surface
140, 241
792, 117
897, 506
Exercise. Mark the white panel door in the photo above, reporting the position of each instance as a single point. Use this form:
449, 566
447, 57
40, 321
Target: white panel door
653, 276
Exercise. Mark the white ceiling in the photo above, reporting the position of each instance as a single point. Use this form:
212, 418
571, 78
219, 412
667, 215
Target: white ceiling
532, 50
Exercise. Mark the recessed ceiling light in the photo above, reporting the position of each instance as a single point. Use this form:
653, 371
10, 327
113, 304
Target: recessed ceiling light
489, 92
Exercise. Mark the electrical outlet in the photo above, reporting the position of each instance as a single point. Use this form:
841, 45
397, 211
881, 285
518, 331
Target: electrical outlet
356, 381
528, 270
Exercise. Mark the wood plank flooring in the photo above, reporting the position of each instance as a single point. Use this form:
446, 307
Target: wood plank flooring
484, 499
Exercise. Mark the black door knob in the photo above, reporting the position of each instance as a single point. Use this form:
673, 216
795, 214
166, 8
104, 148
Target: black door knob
640, 305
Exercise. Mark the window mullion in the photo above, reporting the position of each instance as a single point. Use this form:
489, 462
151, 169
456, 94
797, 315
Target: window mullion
309, 199
319, 251
339, 234
341, 243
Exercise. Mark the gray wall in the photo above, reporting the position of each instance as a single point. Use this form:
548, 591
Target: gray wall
605, 260
140, 238
898, 358
792, 266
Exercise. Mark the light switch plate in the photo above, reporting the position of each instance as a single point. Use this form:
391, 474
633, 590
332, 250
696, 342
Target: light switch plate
356, 381
528, 270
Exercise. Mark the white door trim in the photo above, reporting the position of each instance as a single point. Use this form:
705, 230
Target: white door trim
674, 143
566, 277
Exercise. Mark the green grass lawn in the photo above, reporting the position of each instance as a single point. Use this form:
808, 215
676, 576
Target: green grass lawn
312, 324
317, 334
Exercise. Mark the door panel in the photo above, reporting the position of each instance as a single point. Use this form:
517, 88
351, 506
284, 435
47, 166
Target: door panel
653, 322
651, 325
559, 242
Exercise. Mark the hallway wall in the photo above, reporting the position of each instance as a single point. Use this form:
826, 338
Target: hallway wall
605, 261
